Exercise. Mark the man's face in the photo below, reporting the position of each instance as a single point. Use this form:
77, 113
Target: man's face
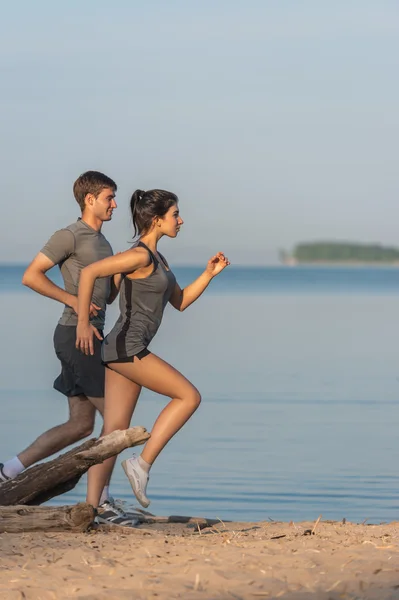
104, 204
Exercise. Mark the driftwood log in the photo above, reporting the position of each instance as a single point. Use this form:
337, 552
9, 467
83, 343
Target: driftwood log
46, 480
144, 516
17, 519
200, 521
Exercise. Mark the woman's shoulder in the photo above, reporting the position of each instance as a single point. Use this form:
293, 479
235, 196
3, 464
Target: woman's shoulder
141, 254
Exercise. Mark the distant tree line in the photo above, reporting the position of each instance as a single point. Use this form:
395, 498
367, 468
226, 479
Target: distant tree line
341, 252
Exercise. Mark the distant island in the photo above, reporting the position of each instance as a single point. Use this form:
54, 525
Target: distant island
340, 252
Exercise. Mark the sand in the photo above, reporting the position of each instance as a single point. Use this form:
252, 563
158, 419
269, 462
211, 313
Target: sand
227, 561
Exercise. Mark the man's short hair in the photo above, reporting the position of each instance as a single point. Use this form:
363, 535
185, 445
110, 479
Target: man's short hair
91, 182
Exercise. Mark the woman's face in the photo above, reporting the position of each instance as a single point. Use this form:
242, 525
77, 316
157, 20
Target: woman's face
171, 222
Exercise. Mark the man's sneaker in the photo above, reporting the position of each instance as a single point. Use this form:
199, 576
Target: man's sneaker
138, 479
130, 511
3, 476
109, 514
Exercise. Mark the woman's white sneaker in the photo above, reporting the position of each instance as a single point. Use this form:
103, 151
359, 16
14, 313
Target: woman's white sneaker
138, 479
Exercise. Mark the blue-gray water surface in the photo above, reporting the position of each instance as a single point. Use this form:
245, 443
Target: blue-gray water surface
299, 373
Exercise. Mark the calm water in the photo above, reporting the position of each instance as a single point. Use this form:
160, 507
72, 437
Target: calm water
299, 372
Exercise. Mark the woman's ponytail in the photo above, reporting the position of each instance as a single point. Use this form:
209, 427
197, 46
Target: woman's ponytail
135, 199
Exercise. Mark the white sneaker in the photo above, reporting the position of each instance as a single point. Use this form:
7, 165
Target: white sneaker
138, 479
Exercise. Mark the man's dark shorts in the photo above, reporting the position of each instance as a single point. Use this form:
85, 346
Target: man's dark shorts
80, 374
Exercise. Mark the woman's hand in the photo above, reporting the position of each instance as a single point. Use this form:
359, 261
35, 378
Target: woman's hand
84, 337
216, 264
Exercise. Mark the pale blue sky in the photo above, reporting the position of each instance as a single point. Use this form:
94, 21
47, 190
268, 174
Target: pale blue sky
274, 121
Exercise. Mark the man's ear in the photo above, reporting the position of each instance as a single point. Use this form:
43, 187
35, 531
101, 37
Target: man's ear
89, 199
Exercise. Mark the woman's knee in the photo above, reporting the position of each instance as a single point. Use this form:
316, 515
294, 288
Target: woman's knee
193, 398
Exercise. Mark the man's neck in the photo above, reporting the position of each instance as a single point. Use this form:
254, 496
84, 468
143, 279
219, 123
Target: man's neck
92, 222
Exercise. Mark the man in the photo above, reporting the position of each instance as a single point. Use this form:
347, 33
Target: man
82, 377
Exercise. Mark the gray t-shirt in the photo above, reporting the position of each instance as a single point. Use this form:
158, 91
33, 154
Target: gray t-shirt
72, 249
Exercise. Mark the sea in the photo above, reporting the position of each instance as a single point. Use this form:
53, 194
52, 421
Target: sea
298, 368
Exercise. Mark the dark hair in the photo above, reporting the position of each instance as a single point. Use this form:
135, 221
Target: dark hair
147, 205
91, 182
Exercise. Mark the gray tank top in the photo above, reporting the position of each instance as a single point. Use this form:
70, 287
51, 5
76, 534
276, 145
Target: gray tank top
142, 303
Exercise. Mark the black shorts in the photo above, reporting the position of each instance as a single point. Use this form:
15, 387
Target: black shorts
139, 355
80, 374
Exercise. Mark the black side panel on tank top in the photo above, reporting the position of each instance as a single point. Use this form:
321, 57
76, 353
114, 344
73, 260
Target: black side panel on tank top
121, 337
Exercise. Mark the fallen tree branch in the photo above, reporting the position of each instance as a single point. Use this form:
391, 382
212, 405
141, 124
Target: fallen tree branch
177, 519
46, 480
18, 519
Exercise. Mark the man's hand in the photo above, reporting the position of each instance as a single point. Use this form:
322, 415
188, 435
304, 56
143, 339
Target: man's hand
84, 337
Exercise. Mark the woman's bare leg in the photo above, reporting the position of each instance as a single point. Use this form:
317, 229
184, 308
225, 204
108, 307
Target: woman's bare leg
157, 375
121, 397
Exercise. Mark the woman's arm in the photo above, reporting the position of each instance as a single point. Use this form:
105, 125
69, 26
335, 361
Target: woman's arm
181, 299
126, 262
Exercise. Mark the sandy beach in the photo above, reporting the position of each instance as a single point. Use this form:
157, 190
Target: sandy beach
225, 561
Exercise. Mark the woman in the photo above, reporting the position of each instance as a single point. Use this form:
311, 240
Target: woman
147, 285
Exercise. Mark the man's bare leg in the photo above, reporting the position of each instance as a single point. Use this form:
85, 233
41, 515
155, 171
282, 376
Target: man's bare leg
79, 425
82, 410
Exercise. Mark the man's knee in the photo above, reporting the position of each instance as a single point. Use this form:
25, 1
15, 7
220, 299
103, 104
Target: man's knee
81, 417
81, 431
80, 428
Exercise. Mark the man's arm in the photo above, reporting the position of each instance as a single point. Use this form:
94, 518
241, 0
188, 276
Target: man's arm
116, 281
35, 278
